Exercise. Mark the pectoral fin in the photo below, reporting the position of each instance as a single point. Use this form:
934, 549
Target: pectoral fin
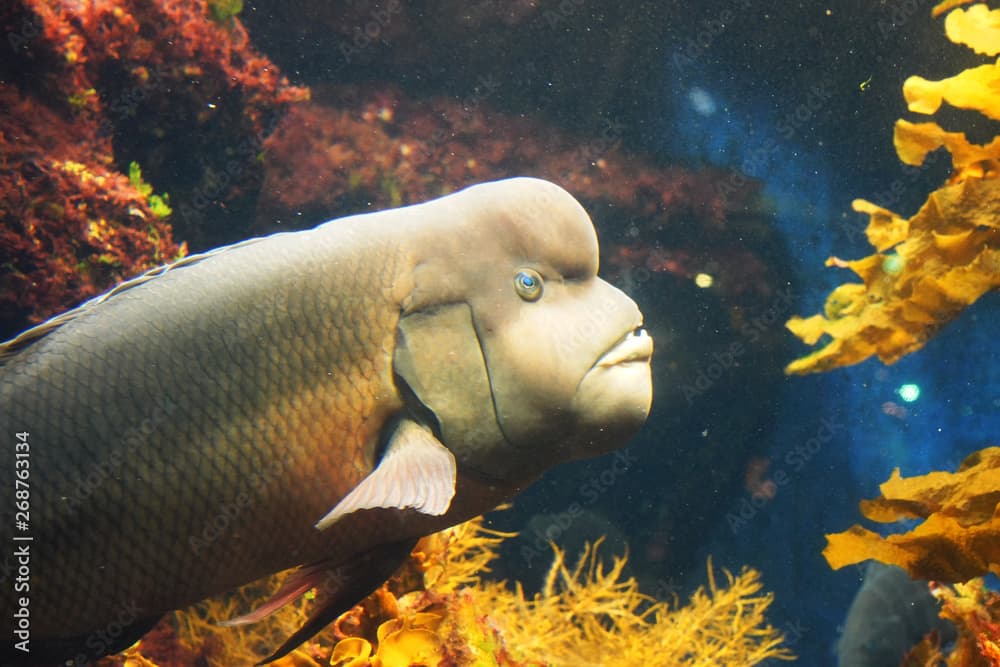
416, 472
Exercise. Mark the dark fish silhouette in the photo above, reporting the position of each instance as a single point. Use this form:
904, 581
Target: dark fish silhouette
890, 614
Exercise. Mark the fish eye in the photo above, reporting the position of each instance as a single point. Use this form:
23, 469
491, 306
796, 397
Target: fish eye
528, 284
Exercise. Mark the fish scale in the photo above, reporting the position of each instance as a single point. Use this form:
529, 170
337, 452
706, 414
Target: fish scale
306, 390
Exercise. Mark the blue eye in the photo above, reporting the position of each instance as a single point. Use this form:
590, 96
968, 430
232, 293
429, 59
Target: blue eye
528, 284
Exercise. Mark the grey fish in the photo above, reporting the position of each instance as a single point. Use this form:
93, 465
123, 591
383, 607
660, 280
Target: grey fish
318, 399
889, 615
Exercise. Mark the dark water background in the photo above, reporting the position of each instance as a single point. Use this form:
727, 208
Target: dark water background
801, 96
790, 83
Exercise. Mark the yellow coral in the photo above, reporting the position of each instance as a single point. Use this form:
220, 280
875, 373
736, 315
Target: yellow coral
972, 89
409, 646
948, 254
198, 627
960, 534
978, 28
351, 652
974, 610
457, 556
589, 615
134, 659
297, 658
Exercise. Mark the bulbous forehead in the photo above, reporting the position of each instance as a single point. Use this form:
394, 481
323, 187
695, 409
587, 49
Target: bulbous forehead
464, 246
537, 221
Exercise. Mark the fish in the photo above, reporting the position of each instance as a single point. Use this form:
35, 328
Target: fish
890, 614
316, 400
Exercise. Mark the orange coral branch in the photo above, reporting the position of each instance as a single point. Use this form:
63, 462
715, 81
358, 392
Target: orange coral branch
960, 535
930, 267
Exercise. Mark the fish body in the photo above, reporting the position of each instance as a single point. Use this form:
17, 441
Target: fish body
889, 615
316, 399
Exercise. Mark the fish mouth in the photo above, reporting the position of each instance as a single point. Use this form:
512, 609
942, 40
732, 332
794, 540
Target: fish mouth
636, 346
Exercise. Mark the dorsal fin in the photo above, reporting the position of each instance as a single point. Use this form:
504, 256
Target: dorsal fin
11, 347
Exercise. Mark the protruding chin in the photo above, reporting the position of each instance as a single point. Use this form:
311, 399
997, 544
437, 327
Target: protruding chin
612, 403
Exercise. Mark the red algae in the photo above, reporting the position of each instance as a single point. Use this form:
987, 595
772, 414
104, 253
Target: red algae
70, 225
88, 78
176, 39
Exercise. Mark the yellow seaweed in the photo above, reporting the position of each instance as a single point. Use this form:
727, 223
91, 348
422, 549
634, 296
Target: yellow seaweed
929, 267
974, 610
959, 537
947, 5
914, 141
351, 652
588, 615
978, 28
458, 556
971, 89
199, 631
445, 614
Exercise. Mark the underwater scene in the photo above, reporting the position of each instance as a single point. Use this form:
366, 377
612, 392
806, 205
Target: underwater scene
531, 333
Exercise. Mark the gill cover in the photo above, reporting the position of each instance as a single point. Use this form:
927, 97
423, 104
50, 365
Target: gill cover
439, 357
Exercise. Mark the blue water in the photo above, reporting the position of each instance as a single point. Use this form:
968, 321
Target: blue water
839, 434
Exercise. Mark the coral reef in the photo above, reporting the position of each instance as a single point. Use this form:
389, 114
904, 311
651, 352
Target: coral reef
89, 88
70, 224
959, 537
974, 610
929, 267
588, 614
926, 270
956, 542
159, 45
438, 611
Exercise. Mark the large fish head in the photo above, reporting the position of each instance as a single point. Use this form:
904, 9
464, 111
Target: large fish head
523, 355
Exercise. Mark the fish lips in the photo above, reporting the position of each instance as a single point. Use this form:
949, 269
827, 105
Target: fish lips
613, 398
634, 347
